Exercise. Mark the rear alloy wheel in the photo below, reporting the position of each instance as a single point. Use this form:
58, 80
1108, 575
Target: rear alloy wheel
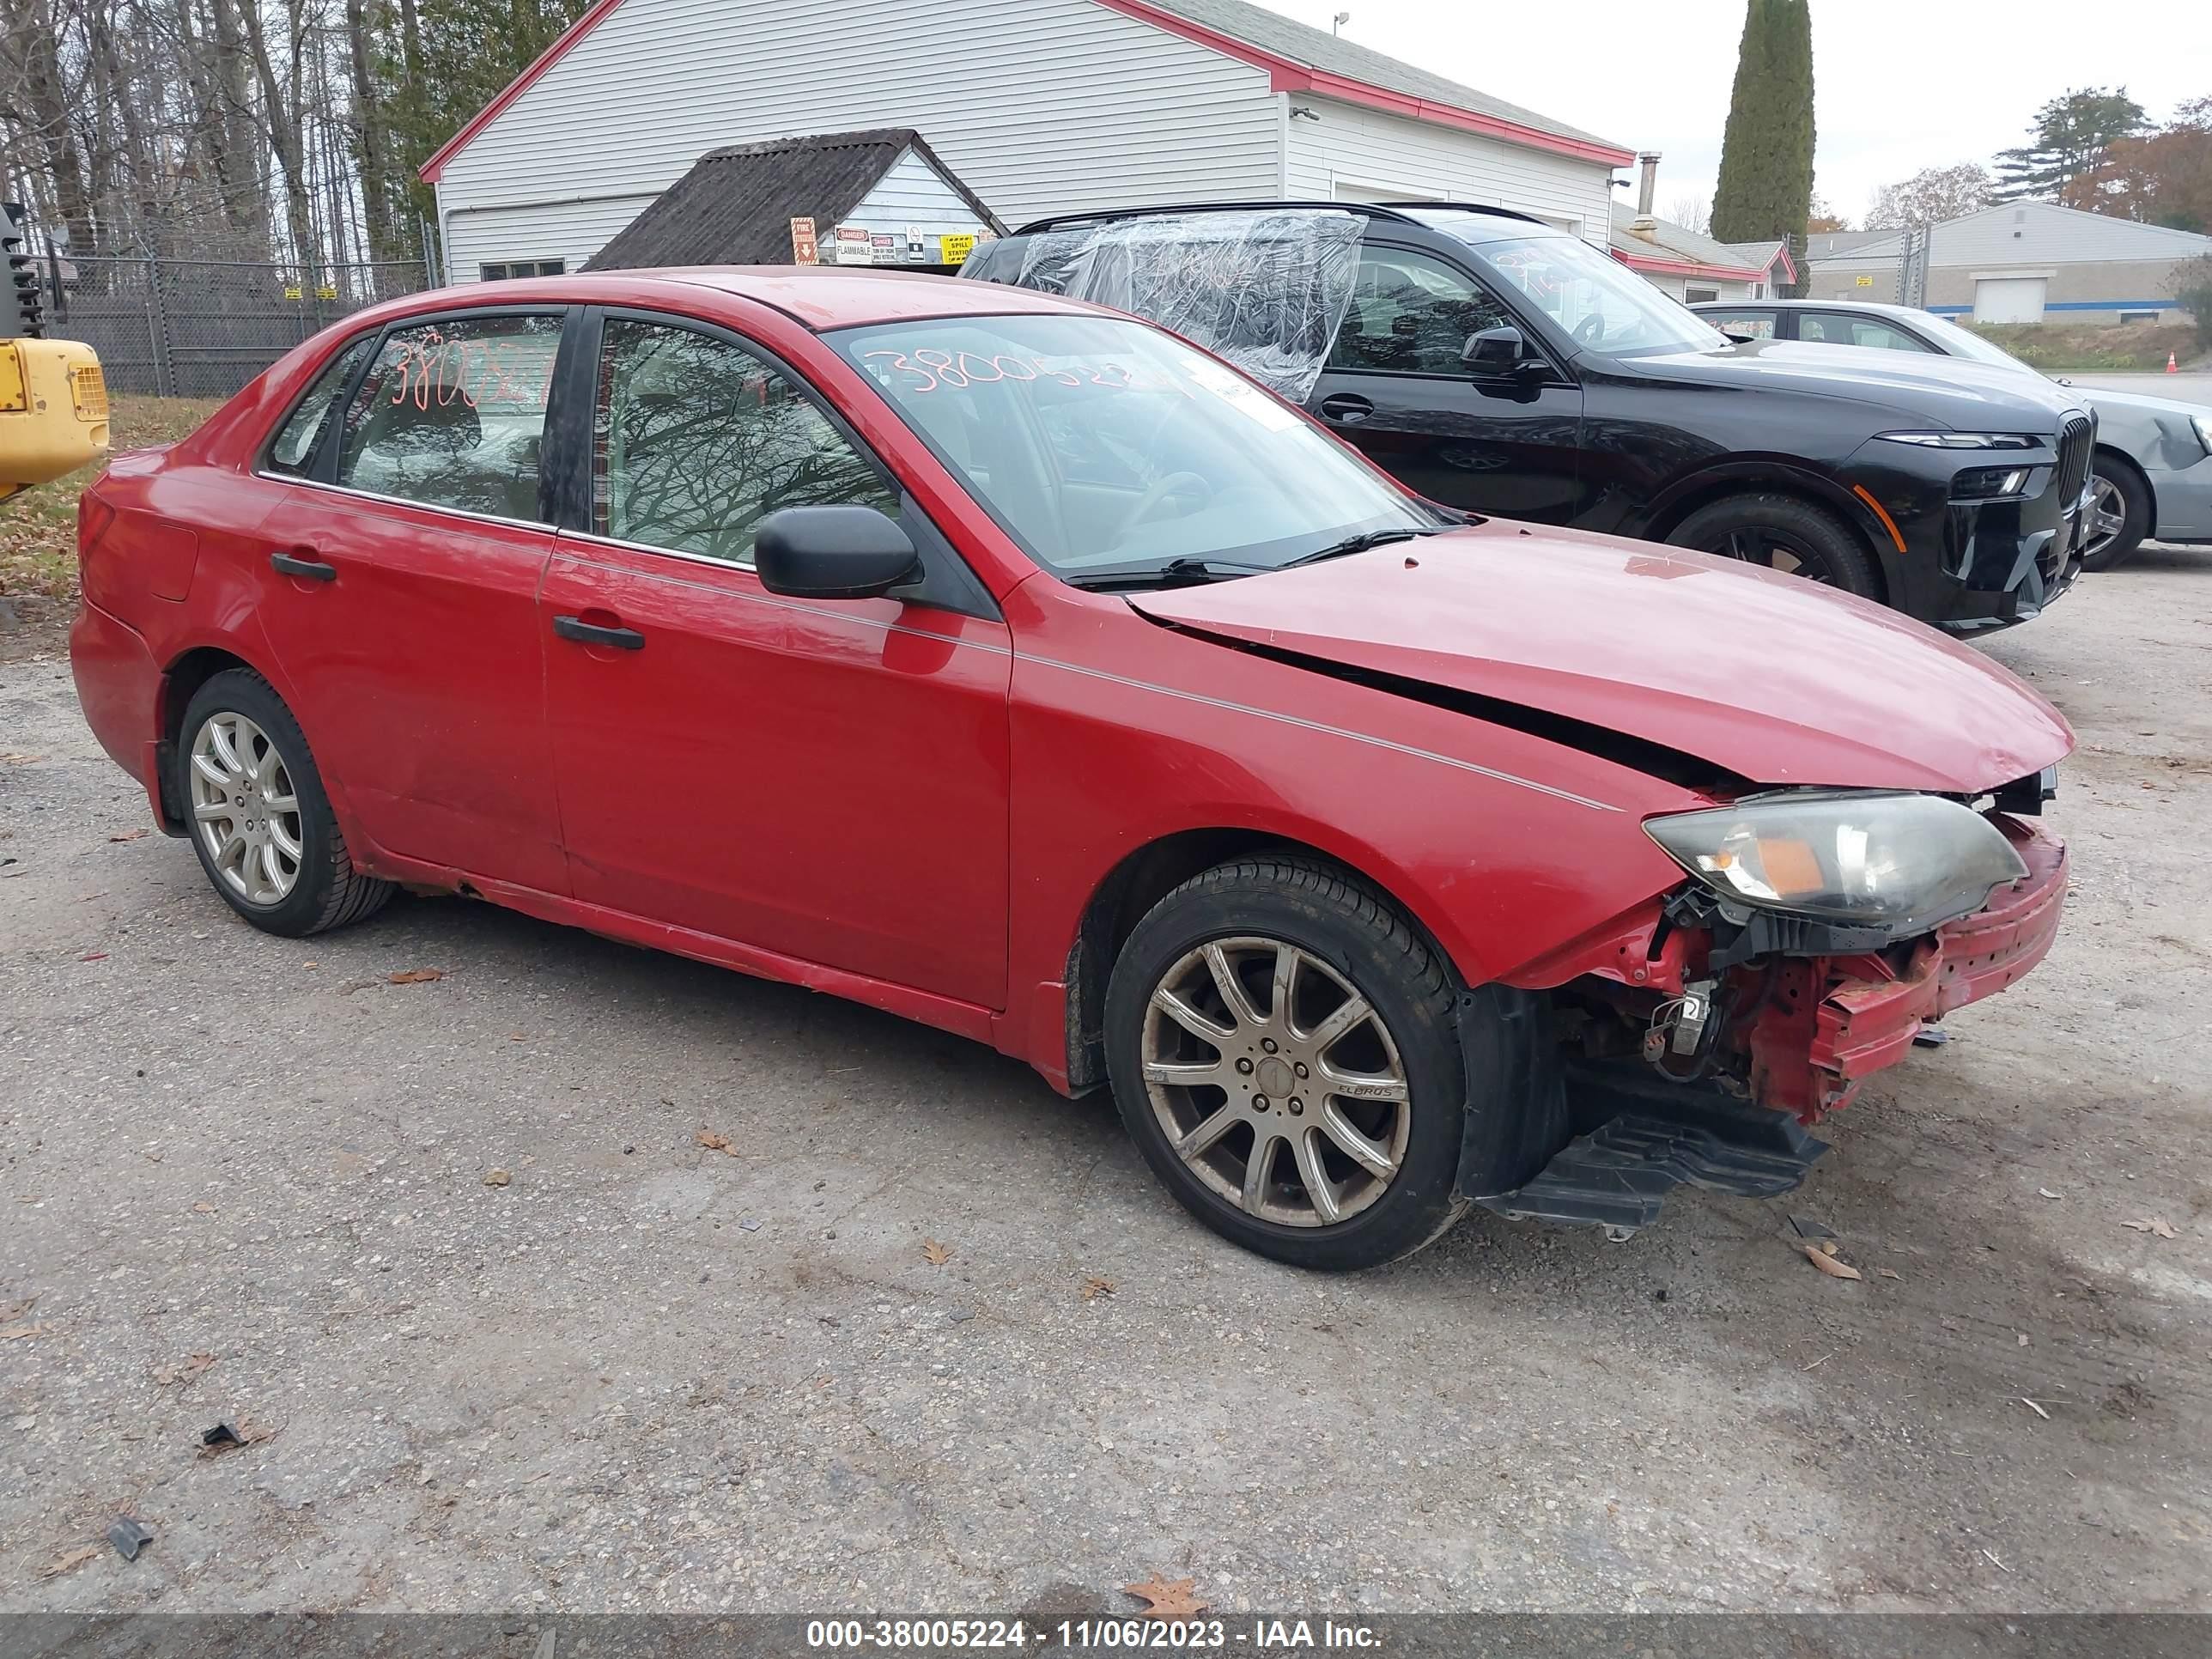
1284, 1053
2119, 515
1781, 533
258, 816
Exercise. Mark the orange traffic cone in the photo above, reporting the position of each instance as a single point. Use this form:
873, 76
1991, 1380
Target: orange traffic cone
2172, 366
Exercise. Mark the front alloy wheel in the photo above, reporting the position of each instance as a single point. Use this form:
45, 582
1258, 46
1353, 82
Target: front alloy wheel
1285, 1052
1276, 1082
244, 810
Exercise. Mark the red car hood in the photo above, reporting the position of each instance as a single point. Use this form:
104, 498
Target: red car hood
1775, 679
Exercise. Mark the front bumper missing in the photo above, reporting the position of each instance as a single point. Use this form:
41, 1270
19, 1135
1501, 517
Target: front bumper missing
1826, 1023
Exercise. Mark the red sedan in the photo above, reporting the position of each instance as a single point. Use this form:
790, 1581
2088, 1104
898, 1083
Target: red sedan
1015, 667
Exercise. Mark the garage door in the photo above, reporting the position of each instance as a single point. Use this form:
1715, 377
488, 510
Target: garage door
2008, 299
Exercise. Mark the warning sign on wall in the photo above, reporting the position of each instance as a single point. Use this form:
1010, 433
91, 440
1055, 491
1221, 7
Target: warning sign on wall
803, 249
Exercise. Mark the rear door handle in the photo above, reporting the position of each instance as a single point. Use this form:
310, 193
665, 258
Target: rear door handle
314, 570
576, 627
1346, 408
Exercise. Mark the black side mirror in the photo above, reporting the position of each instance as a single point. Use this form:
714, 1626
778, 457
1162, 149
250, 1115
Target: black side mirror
1497, 351
832, 553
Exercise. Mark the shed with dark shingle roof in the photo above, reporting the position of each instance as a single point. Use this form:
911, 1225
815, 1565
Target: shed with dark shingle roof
736, 204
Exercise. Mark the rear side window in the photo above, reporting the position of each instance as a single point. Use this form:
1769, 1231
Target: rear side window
292, 452
452, 414
696, 441
1759, 324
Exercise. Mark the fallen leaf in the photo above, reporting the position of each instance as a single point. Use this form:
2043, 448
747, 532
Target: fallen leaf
17, 1332
415, 977
129, 835
96, 956
1095, 1287
935, 1254
2037, 1409
22, 760
2044, 1192
1828, 1264
184, 1370
229, 1436
69, 1562
1828, 1247
2157, 1225
1884, 1272
714, 1141
204, 1209
1169, 1600
496, 1177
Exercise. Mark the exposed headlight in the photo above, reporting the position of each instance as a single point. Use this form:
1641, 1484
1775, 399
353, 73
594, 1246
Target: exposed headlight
1964, 440
1906, 862
2203, 425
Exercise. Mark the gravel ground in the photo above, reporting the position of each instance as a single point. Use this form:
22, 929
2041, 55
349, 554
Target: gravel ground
245, 1180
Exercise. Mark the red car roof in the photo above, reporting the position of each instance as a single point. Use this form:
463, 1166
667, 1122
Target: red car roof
817, 296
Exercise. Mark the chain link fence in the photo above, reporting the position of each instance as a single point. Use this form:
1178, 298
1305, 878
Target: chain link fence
203, 328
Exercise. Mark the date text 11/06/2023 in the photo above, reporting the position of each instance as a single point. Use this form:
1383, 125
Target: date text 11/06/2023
1135, 1633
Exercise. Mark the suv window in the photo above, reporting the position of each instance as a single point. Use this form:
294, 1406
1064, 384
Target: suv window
452, 414
1836, 328
293, 449
695, 441
1412, 313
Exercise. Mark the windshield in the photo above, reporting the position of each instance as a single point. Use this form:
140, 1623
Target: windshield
1965, 343
1602, 304
1105, 446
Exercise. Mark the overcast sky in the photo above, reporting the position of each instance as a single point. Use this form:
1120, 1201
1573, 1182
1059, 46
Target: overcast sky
1898, 84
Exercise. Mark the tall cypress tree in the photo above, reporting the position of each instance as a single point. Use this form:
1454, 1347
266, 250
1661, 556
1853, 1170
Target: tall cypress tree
1765, 189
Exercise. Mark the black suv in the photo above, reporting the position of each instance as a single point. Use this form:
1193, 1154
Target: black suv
1498, 364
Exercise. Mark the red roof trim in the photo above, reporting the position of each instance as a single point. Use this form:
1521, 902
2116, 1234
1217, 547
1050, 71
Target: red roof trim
1687, 268
1286, 76
434, 169
1283, 75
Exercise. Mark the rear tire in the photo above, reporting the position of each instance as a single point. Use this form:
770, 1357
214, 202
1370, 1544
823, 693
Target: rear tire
1403, 1098
2121, 499
258, 816
1784, 533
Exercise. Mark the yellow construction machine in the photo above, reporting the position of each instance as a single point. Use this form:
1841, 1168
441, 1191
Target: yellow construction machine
53, 403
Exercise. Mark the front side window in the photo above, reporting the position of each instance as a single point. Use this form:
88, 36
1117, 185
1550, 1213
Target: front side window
1411, 314
1834, 328
695, 441
452, 414
1597, 302
292, 452
1104, 447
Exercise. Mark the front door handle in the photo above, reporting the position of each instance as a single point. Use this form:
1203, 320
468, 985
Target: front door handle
1345, 408
576, 627
286, 564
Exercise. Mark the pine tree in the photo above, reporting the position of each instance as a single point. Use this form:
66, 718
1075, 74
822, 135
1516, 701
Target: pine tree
1765, 189
2070, 141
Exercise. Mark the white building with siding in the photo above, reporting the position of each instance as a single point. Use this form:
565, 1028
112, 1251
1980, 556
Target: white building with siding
2023, 262
1040, 106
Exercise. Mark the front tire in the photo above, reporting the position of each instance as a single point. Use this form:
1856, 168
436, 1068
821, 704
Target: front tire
258, 816
1784, 533
1283, 1052
2119, 515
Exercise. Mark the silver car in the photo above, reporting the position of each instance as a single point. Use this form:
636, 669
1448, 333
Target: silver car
2152, 471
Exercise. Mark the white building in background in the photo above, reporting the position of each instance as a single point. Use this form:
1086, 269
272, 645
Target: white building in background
2023, 262
1040, 106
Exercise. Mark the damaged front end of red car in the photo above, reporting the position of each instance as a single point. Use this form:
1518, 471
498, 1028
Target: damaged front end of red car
1704, 1032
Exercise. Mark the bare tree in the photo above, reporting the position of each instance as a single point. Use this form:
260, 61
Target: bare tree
1691, 213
